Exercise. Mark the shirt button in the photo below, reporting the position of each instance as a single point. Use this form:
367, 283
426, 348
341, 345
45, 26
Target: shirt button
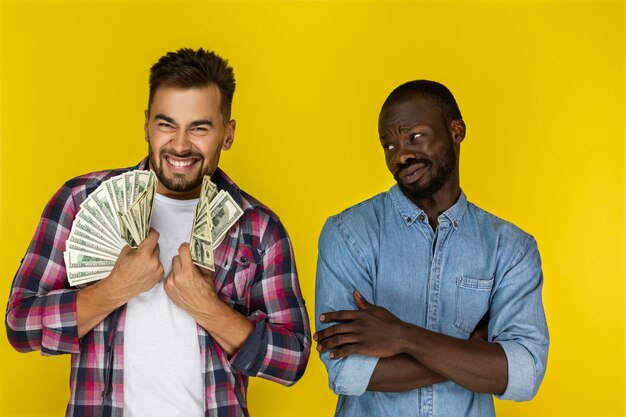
421, 217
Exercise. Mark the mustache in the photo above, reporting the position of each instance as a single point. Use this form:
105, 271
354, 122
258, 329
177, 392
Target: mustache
188, 154
426, 162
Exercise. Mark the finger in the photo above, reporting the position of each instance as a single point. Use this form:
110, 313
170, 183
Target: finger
150, 241
339, 315
332, 331
337, 341
176, 265
185, 256
345, 350
360, 301
206, 272
125, 250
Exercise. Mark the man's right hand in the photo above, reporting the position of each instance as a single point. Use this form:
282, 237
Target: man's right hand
135, 271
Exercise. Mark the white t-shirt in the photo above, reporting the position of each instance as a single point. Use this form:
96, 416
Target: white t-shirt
162, 367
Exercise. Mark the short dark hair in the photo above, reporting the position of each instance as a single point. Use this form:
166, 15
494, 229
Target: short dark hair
188, 68
439, 93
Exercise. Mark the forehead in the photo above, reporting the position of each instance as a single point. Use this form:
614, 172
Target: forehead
187, 103
406, 114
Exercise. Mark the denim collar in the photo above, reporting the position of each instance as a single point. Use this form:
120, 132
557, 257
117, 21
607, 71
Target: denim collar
411, 213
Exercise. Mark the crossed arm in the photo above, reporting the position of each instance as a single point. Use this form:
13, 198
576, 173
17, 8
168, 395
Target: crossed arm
410, 356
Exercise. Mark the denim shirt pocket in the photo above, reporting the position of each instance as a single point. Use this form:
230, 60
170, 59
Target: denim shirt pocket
472, 302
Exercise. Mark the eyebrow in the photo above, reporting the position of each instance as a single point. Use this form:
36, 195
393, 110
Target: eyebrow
192, 124
402, 129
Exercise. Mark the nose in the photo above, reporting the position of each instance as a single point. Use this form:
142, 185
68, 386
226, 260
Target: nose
404, 154
180, 142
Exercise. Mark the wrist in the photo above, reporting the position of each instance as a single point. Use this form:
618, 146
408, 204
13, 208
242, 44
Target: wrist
408, 338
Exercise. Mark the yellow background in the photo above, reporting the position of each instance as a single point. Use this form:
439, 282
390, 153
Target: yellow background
541, 86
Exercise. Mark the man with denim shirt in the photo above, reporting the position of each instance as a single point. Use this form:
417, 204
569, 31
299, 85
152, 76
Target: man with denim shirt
426, 304
160, 336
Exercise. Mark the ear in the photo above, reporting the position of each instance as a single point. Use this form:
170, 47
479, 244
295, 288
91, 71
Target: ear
146, 114
229, 136
457, 127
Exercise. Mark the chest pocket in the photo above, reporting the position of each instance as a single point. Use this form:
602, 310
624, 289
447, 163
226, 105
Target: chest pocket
235, 291
472, 302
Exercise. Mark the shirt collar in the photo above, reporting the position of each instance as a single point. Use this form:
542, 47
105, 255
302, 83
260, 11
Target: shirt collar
410, 212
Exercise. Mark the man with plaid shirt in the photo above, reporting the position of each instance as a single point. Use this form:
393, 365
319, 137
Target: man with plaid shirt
160, 336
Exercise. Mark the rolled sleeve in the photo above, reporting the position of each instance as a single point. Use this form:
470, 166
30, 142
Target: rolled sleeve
352, 375
341, 269
522, 378
519, 325
250, 356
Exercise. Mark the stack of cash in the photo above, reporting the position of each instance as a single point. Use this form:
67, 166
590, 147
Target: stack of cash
116, 213
215, 214
119, 211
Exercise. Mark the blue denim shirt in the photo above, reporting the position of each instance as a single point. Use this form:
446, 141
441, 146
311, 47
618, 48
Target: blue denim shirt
474, 265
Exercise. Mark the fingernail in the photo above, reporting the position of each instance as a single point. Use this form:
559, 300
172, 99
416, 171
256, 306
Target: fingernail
332, 354
322, 317
315, 337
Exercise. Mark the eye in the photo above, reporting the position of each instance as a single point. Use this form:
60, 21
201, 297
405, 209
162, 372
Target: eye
414, 136
165, 126
388, 146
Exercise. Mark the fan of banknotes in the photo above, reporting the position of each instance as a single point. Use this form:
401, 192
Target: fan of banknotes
119, 211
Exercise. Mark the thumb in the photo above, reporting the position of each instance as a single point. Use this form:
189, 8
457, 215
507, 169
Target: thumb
360, 301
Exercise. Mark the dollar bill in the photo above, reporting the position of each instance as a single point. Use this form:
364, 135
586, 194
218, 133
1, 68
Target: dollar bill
118, 212
200, 243
225, 212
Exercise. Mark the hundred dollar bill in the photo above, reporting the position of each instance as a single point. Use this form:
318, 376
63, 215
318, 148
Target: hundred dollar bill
200, 244
224, 214
118, 211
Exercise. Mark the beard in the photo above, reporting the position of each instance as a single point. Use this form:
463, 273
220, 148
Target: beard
177, 183
445, 167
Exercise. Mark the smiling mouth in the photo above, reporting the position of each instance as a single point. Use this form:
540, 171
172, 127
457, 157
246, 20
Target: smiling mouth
180, 162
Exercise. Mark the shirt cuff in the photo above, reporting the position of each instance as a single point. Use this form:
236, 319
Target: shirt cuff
521, 373
250, 356
354, 375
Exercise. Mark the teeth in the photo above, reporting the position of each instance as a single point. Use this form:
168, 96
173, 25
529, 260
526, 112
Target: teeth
184, 163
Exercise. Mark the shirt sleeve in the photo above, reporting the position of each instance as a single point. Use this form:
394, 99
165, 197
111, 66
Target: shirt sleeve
341, 268
278, 348
518, 323
41, 311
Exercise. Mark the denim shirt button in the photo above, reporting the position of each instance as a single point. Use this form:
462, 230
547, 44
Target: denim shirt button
421, 217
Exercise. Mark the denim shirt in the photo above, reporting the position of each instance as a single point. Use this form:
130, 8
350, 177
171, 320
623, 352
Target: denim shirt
474, 267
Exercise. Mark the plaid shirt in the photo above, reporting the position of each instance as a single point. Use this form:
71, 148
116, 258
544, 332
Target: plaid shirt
255, 275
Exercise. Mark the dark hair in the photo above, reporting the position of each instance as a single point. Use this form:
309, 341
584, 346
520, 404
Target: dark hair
187, 68
439, 93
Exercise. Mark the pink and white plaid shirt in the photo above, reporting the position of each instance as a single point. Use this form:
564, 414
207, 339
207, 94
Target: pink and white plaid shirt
255, 274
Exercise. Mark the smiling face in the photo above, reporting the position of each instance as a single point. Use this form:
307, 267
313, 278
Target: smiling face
421, 148
186, 132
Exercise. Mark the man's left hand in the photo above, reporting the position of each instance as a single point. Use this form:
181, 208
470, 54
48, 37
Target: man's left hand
190, 287
371, 330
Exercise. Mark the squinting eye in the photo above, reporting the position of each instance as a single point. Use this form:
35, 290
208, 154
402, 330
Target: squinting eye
416, 135
388, 147
165, 126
